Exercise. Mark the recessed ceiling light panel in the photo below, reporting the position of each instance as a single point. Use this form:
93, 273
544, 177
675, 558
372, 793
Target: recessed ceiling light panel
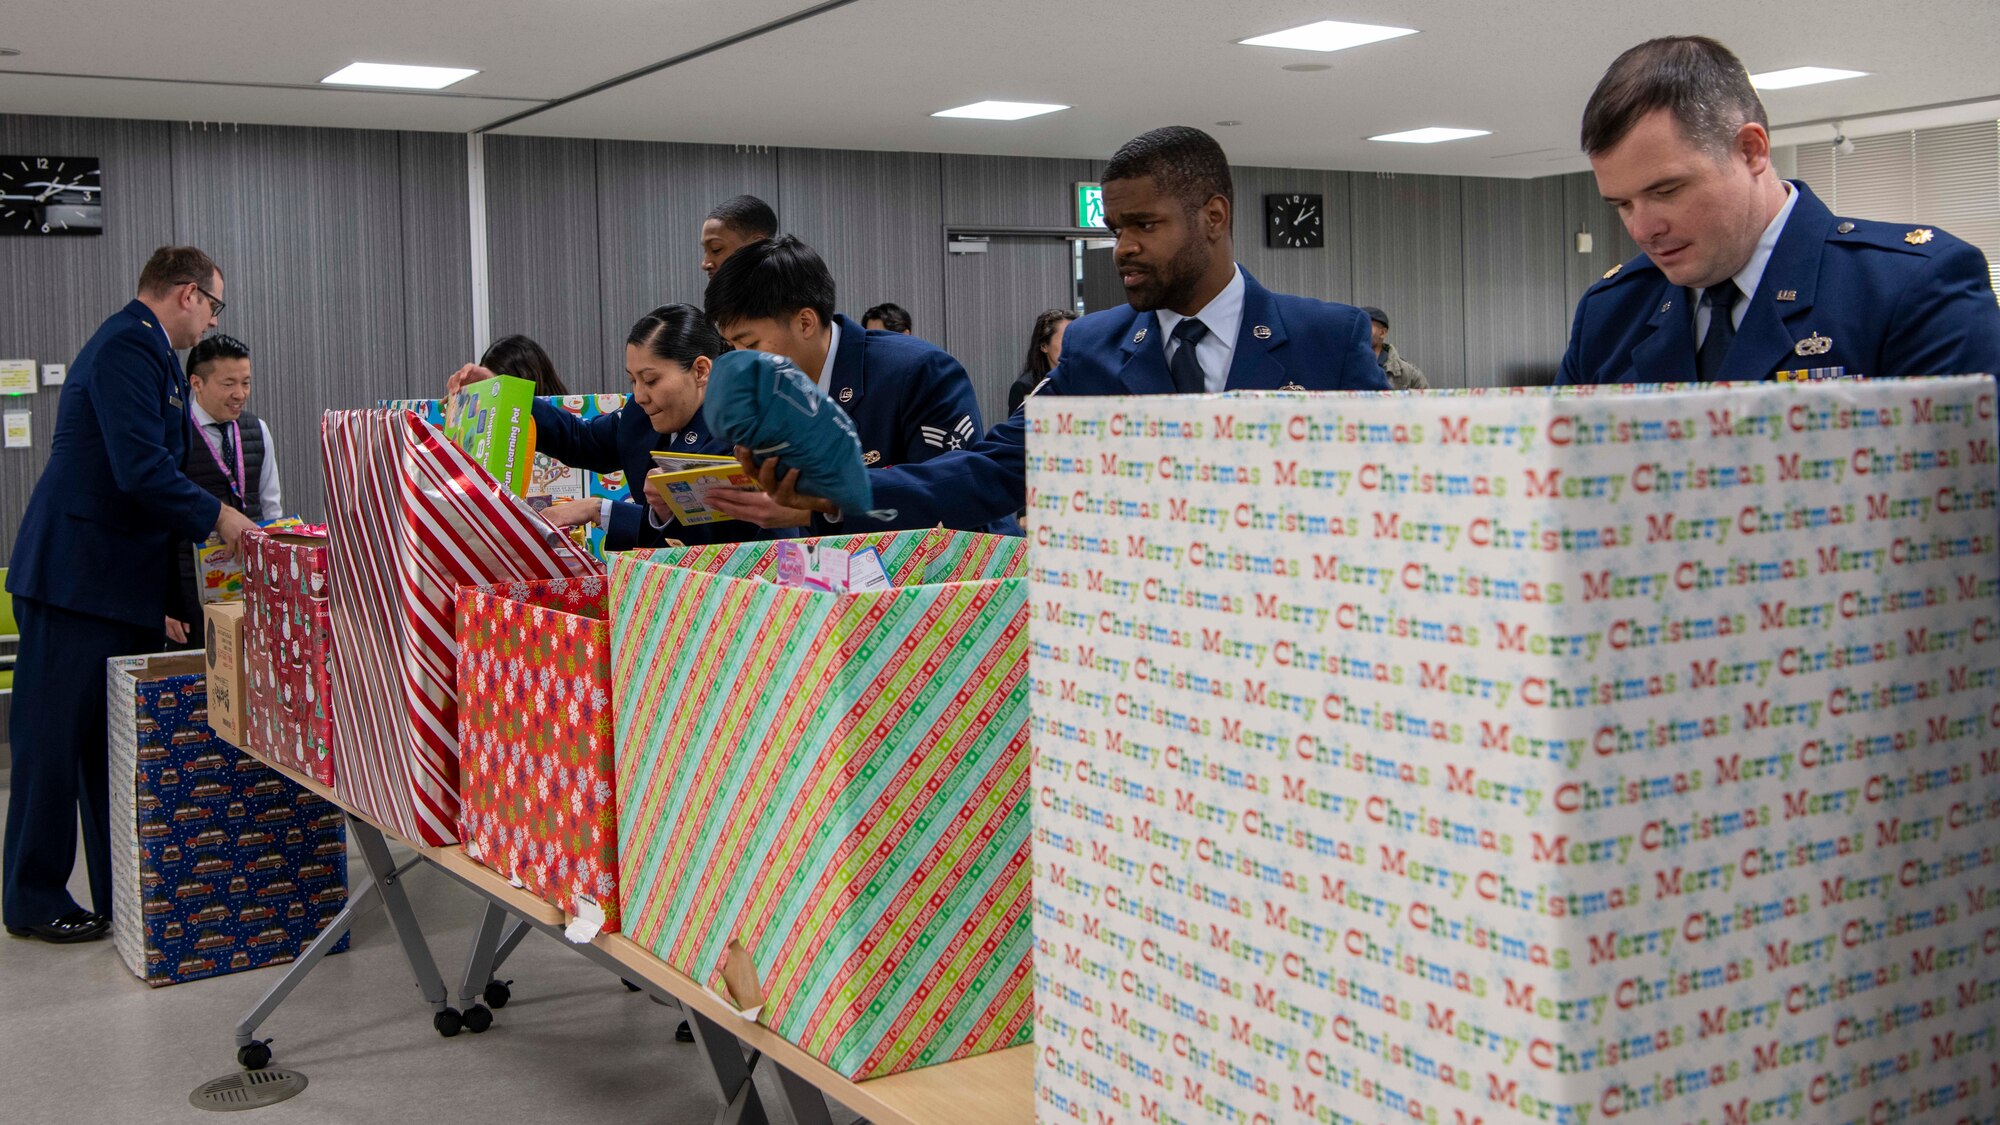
1801, 76
1328, 35
396, 76
1000, 111
1431, 135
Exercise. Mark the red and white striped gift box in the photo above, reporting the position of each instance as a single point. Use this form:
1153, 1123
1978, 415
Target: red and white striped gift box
412, 519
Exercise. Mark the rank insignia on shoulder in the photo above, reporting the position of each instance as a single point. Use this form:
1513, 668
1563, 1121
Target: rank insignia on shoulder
1814, 344
1920, 236
1612, 272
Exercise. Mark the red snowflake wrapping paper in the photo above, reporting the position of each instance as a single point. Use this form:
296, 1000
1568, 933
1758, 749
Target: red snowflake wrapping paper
412, 520
534, 738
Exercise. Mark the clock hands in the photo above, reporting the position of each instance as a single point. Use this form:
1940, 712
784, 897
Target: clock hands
1304, 215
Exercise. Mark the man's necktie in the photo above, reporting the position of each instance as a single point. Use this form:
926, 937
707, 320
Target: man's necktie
1185, 367
1720, 300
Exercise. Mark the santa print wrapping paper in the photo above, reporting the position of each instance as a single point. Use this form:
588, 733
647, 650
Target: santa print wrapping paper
288, 641
837, 782
1507, 757
534, 738
412, 520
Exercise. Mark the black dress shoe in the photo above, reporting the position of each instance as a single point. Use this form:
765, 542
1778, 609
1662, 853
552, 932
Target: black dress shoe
77, 925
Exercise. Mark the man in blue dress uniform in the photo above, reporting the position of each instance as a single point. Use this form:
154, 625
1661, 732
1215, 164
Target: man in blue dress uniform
1194, 323
1747, 276
92, 578
909, 399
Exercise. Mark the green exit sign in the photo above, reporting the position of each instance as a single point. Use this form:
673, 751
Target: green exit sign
1090, 205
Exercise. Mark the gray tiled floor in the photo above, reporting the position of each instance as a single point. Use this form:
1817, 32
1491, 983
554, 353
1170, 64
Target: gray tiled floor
83, 1040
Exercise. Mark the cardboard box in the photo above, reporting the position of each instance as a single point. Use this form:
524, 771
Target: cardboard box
414, 519
228, 676
534, 739
288, 645
219, 864
1625, 754
838, 786
493, 421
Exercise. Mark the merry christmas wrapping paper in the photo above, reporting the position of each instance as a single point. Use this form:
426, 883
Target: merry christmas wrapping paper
412, 520
534, 739
837, 786
288, 649
1517, 756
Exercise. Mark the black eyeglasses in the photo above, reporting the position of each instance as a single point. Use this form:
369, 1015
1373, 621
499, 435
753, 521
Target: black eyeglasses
215, 304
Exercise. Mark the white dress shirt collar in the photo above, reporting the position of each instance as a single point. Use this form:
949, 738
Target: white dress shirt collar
832, 354
1752, 274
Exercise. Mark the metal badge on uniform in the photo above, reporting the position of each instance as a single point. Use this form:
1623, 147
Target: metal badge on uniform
871, 457
1612, 272
173, 400
1291, 387
1139, 337
1665, 305
693, 437
1813, 375
847, 394
1262, 332
1788, 294
1844, 228
1814, 344
1920, 236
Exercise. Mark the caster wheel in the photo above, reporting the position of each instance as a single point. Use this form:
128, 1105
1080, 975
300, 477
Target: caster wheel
448, 1022
256, 1056
478, 1018
497, 993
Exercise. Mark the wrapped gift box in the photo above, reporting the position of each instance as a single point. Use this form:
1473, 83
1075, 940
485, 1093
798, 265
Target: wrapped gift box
218, 863
1546, 755
549, 477
412, 520
534, 739
838, 784
288, 642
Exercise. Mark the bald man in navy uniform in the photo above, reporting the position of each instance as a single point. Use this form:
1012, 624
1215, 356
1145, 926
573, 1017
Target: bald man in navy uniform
1747, 276
1194, 322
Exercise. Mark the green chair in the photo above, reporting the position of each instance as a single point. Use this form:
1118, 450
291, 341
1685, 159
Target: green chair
10, 636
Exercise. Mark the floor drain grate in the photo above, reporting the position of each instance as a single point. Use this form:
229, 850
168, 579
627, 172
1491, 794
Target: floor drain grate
250, 1089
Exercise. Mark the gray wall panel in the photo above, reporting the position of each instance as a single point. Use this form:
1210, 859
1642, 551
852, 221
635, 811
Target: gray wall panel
877, 218
1584, 209
437, 259
1326, 272
58, 290
542, 253
306, 225
1409, 262
1515, 310
652, 199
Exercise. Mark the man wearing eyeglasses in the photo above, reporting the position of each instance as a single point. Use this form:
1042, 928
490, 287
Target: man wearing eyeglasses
93, 574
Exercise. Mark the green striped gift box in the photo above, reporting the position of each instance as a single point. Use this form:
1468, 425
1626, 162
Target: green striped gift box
840, 783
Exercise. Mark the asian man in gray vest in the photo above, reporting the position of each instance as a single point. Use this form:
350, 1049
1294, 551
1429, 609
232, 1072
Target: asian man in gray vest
232, 457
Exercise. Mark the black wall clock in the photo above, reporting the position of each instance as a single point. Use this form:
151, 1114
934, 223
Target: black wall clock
1294, 222
51, 195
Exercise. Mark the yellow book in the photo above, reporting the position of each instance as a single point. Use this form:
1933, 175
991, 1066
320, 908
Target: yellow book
684, 481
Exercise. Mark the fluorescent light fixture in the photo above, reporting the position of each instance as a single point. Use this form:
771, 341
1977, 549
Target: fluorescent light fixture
1801, 76
1432, 135
1000, 111
396, 76
1328, 35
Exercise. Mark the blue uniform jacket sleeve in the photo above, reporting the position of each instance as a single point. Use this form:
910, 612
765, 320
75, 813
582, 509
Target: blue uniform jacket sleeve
125, 395
942, 413
1571, 372
590, 445
629, 528
1946, 321
965, 489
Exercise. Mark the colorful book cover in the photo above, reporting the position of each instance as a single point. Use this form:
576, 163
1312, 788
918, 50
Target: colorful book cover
685, 480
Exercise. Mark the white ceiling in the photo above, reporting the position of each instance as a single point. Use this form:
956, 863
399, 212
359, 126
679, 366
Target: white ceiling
867, 75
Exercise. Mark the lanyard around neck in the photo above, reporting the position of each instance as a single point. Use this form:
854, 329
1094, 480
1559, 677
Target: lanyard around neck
215, 451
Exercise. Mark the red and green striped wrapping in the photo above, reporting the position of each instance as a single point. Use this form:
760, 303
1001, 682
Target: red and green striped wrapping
534, 738
838, 782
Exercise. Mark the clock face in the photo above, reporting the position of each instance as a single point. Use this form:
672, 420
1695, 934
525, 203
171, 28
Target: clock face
1294, 222
51, 195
